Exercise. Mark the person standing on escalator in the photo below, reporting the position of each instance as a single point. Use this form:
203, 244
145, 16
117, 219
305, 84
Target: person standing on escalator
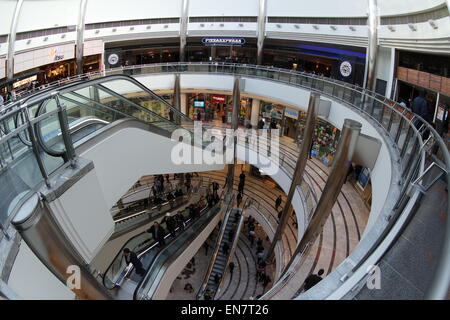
158, 233
131, 257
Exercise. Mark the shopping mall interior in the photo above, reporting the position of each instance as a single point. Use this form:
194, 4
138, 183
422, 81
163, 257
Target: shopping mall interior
302, 150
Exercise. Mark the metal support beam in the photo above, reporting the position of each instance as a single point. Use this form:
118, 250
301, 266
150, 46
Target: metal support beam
12, 41
261, 32
79, 51
183, 28
372, 48
314, 101
342, 161
177, 92
234, 126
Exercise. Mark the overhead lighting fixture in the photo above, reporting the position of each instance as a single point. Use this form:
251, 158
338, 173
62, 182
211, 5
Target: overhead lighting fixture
97, 31
412, 26
222, 25
352, 28
241, 24
202, 25
296, 26
433, 23
63, 36
131, 28
149, 27
166, 26
279, 26
391, 28
114, 30
46, 38
333, 27
316, 27
29, 41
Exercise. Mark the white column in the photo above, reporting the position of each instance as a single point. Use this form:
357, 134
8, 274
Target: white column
183, 101
254, 117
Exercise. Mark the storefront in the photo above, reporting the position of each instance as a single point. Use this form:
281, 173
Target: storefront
221, 49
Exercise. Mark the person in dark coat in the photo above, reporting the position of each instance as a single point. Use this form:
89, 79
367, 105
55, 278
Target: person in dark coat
158, 233
277, 202
171, 225
241, 187
239, 199
242, 176
226, 248
230, 235
313, 279
131, 257
217, 278
231, 267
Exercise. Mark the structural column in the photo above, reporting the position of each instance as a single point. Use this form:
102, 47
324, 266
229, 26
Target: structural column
261, 32
183, 105
183, 28
80, 36
177, 92
333, 186
254, 117
372, 48
12, 41
234, 126
314, 101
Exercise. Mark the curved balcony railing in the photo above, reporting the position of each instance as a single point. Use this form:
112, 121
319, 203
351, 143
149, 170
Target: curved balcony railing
413, 139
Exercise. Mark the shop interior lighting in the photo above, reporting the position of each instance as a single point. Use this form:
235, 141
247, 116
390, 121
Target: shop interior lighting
166, 26
412, 26
202, 25
391, 28
433, 23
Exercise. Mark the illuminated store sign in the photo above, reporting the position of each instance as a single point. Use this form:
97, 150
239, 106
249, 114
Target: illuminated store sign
291, 113
223, 41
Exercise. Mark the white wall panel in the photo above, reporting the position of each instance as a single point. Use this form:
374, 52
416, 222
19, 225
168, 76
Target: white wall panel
6, 15
400, 7
2, 67
84, 216
35, 58
317, 8
45, 14
118, 10
202, 8
31, 279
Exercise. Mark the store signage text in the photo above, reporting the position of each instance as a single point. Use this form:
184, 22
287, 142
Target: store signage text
218, 99
346, 68
54, 54
223, 41
290, 113
24, 81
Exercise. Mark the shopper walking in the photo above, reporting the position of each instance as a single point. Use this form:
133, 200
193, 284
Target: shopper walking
313, 279
278, 202
231, 267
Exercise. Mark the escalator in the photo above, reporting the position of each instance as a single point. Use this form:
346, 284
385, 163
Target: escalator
151, 284
32, 144
229, 235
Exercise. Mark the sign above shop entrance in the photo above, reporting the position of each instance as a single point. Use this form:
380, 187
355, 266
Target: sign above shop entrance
218, 99
223, 41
